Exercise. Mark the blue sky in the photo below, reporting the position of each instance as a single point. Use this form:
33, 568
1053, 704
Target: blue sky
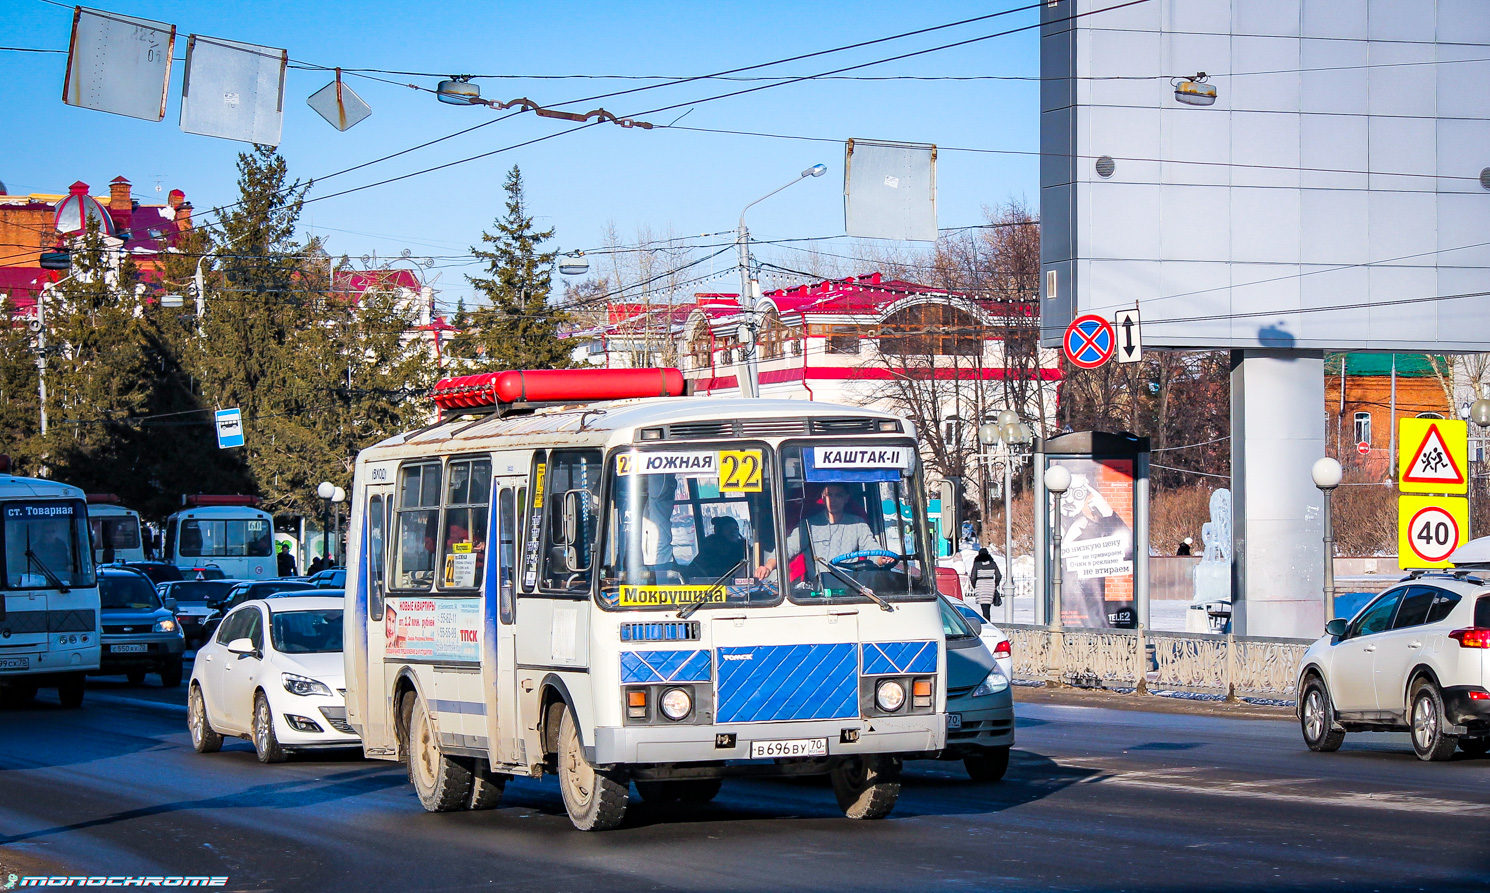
670, 181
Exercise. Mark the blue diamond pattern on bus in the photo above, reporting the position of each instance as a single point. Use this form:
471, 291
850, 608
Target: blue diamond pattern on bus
886, 658
785, 682
664, 666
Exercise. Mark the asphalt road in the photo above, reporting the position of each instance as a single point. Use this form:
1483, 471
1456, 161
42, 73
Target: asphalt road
1097, 799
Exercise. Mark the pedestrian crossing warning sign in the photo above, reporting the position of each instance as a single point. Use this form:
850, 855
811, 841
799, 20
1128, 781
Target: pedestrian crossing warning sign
1432, 456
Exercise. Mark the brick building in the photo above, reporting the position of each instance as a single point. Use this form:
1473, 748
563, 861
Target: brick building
1365, 393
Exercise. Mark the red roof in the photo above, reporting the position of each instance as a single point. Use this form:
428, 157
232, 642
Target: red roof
854, 295
359, 281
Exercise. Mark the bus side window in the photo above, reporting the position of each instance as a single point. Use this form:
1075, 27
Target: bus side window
467, 512
573, 487
375, 520
418, 526
507, 554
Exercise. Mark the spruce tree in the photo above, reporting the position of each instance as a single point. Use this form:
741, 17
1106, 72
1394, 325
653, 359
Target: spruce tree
518, 328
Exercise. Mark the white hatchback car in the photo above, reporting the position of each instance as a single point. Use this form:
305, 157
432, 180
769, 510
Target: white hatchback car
1415, 659
283, 690
992, 636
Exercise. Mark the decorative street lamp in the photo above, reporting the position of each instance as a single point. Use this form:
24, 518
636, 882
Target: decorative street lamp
327, 491
1012, 433
1057, 481
1327, 474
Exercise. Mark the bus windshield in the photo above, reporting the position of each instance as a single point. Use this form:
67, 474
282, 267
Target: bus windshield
689, 527
46, 545
233, 538
853, 521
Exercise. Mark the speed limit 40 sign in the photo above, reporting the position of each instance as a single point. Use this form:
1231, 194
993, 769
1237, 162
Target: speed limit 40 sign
1429, 529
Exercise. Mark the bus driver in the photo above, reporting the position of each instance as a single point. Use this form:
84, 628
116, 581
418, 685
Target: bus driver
831, 532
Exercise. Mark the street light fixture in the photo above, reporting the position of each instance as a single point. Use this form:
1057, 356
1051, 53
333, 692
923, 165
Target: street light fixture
1327, 474
1012, 433
750, 381
326, 490
1057, 482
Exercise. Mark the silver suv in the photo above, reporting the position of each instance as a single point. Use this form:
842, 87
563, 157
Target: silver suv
1415, 659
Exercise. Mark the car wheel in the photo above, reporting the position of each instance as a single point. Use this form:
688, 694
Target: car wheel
596, 800
1474, 747
868, 786
987, 765
70, 691
688, 790
1317, 718
1429, 740
170, 674
135, 677
266, 745
204, 739
442, 782
487, 787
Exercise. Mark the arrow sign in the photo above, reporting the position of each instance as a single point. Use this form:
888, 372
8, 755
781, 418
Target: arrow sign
1129, 335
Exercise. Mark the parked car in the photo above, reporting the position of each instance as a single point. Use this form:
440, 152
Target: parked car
194, 604
244, 590
157, 571
330, 578
273, 674
1415, 659
140, 632
993, 637
206, 572
980, 706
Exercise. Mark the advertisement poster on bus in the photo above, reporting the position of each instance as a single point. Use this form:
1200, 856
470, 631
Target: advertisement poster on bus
433, 628
1097, 543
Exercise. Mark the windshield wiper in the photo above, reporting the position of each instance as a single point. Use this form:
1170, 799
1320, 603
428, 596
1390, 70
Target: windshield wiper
688, 609
47, 572
855, 584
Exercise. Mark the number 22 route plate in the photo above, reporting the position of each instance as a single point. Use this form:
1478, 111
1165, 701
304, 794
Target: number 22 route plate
795, 747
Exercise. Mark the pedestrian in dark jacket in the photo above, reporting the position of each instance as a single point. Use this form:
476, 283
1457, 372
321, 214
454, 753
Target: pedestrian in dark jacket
985, 578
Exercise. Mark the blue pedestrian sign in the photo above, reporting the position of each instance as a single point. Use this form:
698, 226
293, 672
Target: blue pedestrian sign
229, 428
1089, 341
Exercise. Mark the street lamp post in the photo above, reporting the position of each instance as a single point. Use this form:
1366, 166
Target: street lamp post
1009, 432
1479, 413
1327, 474
327, 491
1057, 481
750, 380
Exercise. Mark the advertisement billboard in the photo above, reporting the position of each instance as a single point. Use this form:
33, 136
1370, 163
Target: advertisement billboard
1096, 523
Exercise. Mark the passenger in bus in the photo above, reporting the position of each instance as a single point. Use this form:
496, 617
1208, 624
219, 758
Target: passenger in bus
650, 548
720, 551
830, 532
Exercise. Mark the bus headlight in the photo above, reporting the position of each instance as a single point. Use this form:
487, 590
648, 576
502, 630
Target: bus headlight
889, 695
992, 684
676, 704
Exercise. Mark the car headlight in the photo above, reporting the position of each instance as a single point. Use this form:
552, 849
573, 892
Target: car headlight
675, 704
889, 695
165, 626
303, 685
992, 684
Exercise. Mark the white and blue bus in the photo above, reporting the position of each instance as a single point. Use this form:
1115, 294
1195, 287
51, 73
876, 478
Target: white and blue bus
226, 532
116, 530
49, 611
666, 592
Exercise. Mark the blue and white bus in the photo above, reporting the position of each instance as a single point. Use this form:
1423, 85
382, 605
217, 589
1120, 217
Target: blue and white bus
116, 530
666, 592
226, 532
49, 611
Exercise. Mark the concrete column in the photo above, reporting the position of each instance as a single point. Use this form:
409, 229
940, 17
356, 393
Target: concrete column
1277, 432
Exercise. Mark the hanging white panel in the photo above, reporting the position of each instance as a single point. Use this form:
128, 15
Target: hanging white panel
118, 64
336, 102
889, 190
233, 90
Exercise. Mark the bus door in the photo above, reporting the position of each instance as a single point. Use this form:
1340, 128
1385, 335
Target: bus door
499, 642
367, 669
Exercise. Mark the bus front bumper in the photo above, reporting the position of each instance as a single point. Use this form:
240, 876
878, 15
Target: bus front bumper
653, 743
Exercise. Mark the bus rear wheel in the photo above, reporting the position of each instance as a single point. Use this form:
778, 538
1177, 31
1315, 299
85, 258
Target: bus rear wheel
442, 782
596, 800
868, 786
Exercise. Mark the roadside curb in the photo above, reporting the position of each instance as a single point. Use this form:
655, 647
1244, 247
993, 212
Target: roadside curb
1147, 703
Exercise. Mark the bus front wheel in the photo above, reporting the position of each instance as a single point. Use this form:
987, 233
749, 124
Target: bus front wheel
442, 782
868, 786
70, 691
595, 799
